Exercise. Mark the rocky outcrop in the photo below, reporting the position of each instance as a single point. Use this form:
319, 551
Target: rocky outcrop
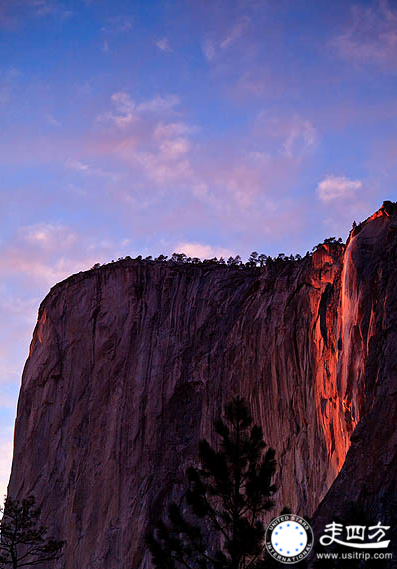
131, 362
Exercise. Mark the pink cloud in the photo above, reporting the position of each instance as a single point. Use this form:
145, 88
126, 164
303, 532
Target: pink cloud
295, 136
371, 36
201, 250
47, 253
338, 188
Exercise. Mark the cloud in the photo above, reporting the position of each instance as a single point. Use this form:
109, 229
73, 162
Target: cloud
52, 121
77, 165
83, 168
43, 8
208, 49
236, 32
202, 251
46, 253
337, 187
118, 24
167, 130
174, 148
164, 45
123, 102
123, 113
301, 138
295, 136
6, 452
163, 157
158, 104
126, 111
124, 106
146, 137
48, 236
371, 36
167, 164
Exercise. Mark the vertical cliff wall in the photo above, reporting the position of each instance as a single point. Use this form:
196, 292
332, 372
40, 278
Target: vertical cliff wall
130, 363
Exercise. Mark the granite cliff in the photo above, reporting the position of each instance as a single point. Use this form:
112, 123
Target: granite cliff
130, 363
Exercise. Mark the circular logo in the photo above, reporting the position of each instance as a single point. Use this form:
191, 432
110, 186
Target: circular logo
289, 538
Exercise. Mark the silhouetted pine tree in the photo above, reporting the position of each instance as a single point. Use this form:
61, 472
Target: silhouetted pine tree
229, 494
23, 543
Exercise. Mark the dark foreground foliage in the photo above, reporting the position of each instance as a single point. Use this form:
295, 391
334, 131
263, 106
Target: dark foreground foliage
227, 495
23, 542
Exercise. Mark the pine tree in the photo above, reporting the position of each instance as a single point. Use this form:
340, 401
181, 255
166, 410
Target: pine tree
227, 495
23, 543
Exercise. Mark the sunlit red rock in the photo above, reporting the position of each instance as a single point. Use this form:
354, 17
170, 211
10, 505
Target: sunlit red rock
367, 483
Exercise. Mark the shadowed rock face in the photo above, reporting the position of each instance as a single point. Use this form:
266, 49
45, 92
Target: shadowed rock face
130, 364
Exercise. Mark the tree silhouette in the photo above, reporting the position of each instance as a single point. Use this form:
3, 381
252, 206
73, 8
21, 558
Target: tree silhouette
252, 259
228, 493
262, 259
23, 543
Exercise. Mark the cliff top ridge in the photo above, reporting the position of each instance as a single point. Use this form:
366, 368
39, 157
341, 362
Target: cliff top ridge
255, 263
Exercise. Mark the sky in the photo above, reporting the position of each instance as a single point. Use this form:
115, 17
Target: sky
212, 127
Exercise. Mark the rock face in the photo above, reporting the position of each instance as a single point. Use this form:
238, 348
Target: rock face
130, 364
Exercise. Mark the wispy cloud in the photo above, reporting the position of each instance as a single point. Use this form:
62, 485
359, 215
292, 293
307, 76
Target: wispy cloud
77, 165
209, 49
15, 12
236, 32
158, 104
126, 110
172, 129
301, 138
210, 46
84, 168
295, 136
46, 252
168, 163
337, 188
48, 236
201, 250
118, 24
123, 113
164, 45
51, 120
371, 36
43, 8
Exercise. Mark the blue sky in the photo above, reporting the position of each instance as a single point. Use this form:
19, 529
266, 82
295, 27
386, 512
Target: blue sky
213, 127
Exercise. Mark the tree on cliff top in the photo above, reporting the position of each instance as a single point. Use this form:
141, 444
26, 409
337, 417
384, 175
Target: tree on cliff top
230, 492
23, 543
